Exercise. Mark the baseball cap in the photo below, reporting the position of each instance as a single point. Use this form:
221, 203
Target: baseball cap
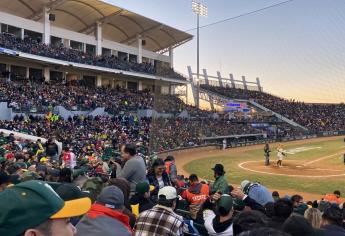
244, 183
225, 202
143, 187
111, 197
169, 192
69, 192
29, 204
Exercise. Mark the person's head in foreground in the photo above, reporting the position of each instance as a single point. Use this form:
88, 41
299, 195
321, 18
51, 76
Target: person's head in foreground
313, 215
249, 220
167, 197
332, 216
297, 226
33, 208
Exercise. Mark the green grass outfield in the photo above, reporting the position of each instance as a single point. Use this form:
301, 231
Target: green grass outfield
235, 174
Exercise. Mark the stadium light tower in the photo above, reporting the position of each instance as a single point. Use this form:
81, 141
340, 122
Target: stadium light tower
200, 10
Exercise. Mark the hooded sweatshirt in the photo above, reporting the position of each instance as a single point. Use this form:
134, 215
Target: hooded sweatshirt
104, 221
214, 226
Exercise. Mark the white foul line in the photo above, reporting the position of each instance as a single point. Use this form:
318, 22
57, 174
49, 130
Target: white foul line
270, 173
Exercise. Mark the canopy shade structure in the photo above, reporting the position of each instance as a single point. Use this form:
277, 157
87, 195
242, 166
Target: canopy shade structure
118, 24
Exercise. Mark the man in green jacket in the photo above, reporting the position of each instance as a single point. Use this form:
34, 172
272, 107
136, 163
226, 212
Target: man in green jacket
220, 184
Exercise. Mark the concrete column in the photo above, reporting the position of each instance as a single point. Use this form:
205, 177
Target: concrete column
27, 75
171, 57
99, 81
99, 39
66, 43
232, 81
114, 52
8, 68
258, 84
46, 26
206, 77
22, 34
140, 50
220, 81
83, 45
46, 74
244, 83
140, 85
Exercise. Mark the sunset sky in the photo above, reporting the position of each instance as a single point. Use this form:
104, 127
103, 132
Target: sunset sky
297, 49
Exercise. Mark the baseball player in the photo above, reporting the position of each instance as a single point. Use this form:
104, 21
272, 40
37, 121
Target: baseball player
280, 154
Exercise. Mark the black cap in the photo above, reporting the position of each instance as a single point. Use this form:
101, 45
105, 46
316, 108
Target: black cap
69, 192
219, 169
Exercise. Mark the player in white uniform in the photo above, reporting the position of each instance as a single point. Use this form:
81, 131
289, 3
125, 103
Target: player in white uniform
280, 155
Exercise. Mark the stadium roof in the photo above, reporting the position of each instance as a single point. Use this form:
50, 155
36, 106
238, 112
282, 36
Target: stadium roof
118, 24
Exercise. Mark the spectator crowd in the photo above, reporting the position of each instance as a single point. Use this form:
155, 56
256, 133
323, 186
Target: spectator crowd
126, 194
315, 117
36, 47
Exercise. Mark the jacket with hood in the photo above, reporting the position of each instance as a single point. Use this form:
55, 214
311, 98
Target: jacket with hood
214, 226
104, 221
196, 195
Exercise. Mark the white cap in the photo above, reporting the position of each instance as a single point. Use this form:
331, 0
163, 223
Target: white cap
244, 184
169, 192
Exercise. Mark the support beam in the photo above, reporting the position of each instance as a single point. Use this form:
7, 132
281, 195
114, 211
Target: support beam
46, 26
27, 75
66, 43
232, 81
22, 32
143, 32
99, 81
99, 39
220, 81
140, 85
8, 68
204, 71
244, 83
105, 20
46, 74
194, 87
171, 57
258, 84
39, 13
140, 50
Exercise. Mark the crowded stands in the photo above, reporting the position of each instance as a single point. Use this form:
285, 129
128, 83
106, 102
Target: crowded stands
315, 117
127, 194
36, 47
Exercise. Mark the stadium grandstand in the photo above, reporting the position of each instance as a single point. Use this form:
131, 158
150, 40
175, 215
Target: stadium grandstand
98, 130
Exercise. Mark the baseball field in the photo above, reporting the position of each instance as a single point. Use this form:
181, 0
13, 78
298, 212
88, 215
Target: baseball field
311, 167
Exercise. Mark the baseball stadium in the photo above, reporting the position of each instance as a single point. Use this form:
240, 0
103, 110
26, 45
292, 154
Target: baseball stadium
108, 128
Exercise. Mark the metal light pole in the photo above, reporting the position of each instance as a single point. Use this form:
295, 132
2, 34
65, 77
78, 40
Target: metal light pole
200, 10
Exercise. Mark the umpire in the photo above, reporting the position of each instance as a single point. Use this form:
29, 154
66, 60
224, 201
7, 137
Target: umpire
267, 154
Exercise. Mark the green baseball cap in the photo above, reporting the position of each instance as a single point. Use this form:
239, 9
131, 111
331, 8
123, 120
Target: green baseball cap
27, 205
143, 187
225, 202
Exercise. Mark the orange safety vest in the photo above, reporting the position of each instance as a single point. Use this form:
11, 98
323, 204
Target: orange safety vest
199, 198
